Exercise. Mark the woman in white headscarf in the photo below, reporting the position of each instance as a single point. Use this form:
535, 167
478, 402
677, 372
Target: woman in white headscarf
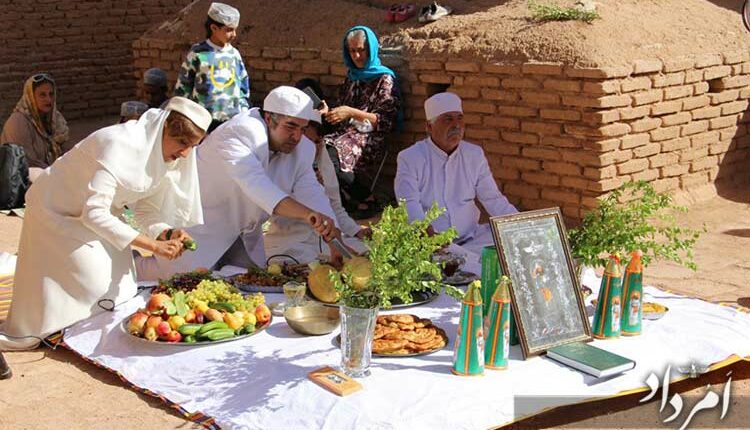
74, 256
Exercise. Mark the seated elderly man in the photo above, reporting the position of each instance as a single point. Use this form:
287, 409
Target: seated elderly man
155, 87
444, 168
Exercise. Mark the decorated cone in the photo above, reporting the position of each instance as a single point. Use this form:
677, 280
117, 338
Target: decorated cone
607, 317
497, 327
468, 352
491, 273
632, 296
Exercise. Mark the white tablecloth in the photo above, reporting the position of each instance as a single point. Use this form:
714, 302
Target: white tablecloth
260, 381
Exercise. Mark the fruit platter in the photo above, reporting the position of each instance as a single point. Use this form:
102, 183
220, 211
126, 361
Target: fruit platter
211, 311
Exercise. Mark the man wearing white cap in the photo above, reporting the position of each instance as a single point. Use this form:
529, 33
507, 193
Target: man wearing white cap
444, 168
132, 110
154, 87
237, 193
213, 73
74, 256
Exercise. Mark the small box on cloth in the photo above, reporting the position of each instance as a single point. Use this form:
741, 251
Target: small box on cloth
334, 381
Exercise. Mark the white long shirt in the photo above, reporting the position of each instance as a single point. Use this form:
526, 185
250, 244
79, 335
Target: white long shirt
238, 194
426, 174
294, 237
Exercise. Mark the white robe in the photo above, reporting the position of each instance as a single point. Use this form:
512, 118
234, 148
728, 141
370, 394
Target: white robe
237, 194
74, 257
426, 174
287, 236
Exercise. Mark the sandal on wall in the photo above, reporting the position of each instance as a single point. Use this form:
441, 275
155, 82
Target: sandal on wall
434, 12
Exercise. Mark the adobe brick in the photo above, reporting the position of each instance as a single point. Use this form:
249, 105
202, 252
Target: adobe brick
277, 53
419, 65
724, 96
501, 122
706, 112
479, 107
703, 163
745, 93
606, 145
635, 140
676, 119
600, 102
289, 66
518, 111
525, 83
540, 178
304, 53
502, 69
480, 81
632, 166
557, 195
560, 114
663, 159
540, 153
692, 76
561, 142
465, 92
736, 69
502, 148
668, 79
675, 144
647, 97
502, 95
562, 168
469, 118
634, 112
665, 133
481, 134
435, 79
693, 154
723, 122
716, 72
506, 175
720, 147
522, 190
339, 70
645, 124
461, 66
526, 138
543, 128
635, 84
646, 175
616, 129
694, 180
734, 107
600, 173
666, 107
562, 85
674, 170
601, 117
732, 132
672, 93
700, 88
704, 139
601, 87
734, 57
542, 68
598, 73
540, 98
647, 66
647, 150
733, 82
606, 184
695, 102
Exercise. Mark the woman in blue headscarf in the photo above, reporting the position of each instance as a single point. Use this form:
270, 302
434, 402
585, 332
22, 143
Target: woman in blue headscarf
369, 102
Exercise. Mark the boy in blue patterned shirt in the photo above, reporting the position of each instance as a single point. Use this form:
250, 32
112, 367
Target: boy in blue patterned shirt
213, 73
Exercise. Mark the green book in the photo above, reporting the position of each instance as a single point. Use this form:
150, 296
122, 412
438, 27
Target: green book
590, 359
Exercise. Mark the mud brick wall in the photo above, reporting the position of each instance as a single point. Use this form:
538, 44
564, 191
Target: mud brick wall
84, 44
554, 135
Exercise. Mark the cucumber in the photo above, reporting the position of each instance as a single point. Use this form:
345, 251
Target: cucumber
248, 329
189, 339
190, 245
189, 329
219, 334
213, 325
223, 306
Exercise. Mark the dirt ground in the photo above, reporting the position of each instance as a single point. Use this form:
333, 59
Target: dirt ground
54, 389
492, 29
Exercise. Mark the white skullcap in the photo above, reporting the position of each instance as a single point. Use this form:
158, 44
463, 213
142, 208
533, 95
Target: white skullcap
289, 101
224, 14
155, 77
442, 103
133, 108
195, 112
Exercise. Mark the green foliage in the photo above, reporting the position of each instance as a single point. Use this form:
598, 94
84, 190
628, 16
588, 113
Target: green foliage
646, 222
553, 12
401, 257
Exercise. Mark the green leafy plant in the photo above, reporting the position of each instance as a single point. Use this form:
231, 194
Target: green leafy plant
553, 12
645, 222
401, 259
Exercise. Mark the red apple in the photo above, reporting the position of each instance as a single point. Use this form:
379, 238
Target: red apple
173, 336
137, 323
199, 317
163, 329
150, 334
153, 322
157, 303
190, 316
262, 314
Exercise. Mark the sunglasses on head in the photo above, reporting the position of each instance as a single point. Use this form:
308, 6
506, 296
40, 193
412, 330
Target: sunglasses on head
39, 77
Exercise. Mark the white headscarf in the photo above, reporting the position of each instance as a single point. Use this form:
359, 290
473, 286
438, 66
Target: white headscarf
132, 153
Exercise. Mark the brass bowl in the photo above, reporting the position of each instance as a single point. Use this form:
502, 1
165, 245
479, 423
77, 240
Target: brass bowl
312, 319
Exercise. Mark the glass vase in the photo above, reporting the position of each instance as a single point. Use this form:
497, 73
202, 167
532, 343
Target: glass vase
357, 332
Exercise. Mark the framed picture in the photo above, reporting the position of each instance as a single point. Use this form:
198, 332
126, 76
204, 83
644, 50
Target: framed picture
547, 301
